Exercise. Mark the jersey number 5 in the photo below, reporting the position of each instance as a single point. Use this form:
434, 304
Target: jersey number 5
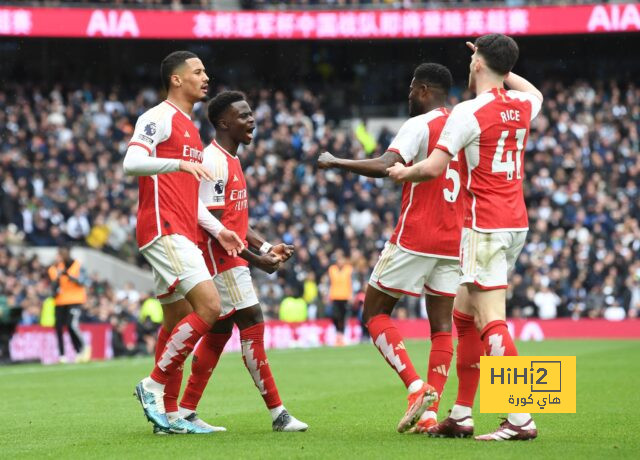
452, 195
507, 166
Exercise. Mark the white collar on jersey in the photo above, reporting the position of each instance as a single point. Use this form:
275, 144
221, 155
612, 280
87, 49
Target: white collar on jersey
219, 147
177, 108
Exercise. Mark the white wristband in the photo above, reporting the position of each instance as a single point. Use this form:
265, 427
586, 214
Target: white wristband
265, 247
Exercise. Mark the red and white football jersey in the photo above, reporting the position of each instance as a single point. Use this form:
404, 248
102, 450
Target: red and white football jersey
167, 203
492, 129
227, 193
431, 218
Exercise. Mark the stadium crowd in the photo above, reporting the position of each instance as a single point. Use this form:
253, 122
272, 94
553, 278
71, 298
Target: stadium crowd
61, 181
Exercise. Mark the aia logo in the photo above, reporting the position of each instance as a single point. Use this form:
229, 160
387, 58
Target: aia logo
110, 23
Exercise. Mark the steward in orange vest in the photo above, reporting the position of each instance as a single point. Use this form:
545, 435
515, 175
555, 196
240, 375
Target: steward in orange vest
70, 294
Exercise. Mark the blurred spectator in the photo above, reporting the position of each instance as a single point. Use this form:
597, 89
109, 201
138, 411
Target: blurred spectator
547, 302
67, 286
293, 307
340, 292
310, 295
9, 318
149, 322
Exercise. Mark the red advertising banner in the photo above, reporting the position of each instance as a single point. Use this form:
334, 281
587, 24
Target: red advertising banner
317, 25
37, 343
535, 329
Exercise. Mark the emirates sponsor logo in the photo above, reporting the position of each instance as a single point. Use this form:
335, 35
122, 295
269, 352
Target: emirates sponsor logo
191, 154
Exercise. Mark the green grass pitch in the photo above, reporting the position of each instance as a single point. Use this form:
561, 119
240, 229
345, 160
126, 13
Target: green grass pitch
349, 396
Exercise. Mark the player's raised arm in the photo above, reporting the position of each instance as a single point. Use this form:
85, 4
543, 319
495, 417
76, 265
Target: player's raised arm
374, 167
518, 83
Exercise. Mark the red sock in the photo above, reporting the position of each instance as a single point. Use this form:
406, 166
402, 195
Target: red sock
172, 388
389, 342
180, 344
468, 355
255, 358
205, 359
163, 336
497, 340
439, 363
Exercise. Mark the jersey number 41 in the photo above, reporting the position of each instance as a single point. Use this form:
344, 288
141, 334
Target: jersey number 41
502, 165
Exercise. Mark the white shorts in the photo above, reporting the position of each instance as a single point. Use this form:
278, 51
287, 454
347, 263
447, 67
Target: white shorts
177, 265
236, 290
487, 258
399, 272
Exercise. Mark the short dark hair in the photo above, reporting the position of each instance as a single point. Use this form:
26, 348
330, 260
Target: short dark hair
434, 74
220, 103
499, 51
171, 63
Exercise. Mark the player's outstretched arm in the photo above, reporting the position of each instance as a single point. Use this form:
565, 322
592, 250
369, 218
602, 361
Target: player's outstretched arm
138, 162
266, 262
422, 171
514, 81
374, 167
256, 241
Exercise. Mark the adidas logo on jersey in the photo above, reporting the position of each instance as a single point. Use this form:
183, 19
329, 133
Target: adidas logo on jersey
186, 134
441, 369
235, 178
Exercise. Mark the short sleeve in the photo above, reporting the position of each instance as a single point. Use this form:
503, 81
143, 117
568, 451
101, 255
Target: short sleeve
411, 138
458, 132
536, 103
151, 129
212, 193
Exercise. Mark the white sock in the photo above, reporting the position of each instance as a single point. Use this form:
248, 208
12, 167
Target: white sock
429, 414
173, 416
459, 412
184, 413
276, 411
518, 419
151, 385
415, 386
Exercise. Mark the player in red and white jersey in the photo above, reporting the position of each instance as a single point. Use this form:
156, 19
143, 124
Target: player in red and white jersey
225, 196
492, 130
422, 254
166, 153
